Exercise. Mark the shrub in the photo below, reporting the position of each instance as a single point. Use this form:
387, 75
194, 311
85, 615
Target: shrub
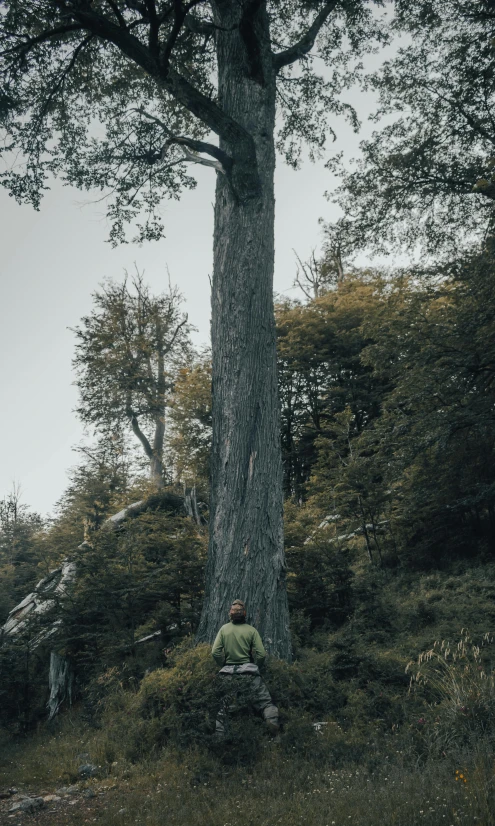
457, 682
23, 681
178, 706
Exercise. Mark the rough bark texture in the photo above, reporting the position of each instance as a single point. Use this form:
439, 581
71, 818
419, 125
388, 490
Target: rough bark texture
191, 505
156, 464
60, 679
246, 557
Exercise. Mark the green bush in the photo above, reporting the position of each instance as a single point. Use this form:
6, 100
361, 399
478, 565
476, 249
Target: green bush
176, 707
457, 684
307, 685
23, 681
183, 696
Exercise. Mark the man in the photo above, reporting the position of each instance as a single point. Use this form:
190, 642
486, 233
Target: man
239, 650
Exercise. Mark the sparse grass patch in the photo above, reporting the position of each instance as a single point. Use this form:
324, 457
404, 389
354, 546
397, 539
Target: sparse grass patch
194, 788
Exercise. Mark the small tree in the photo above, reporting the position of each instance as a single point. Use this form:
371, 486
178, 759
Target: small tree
127, 355
321, 373
19, 550
146, 576
190, 414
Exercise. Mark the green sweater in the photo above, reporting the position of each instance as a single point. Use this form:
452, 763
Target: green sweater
238, 643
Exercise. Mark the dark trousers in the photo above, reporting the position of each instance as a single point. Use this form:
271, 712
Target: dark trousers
252, 692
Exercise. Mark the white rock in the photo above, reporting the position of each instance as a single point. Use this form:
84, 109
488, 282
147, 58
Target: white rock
28, 804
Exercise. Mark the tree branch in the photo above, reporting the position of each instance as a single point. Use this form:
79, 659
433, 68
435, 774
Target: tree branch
208, 111
87, 18
307, 41
160, 122
181, 89
139, 433
179, 327
117, 13
153, 40
193, 157
65, 73
223, 161
179, 17
457, 104
28, 44
197, 26
180, 14
104, 28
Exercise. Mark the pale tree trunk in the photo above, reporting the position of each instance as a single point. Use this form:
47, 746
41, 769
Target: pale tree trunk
246, 555
154, 453
61, 679
156, 457
156, 463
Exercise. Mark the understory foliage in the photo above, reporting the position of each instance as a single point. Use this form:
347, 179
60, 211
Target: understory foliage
388, 436
401, 759
359, 697
140, 709
457, 679
20, 529
387, 419
143, 578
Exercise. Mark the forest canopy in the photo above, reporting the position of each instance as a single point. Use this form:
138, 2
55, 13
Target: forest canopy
424, 181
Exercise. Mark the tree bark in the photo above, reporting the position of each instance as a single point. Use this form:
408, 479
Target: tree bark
154, 453
156, 461
156, 472
246, 555
61, 679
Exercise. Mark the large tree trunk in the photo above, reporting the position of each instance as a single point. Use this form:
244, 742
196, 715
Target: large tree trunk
246, 556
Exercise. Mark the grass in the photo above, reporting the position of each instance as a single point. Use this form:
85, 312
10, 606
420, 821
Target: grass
194, 787
385, 758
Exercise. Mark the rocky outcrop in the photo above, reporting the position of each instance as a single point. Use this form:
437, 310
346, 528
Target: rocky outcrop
53, 587
27, 804
41, 600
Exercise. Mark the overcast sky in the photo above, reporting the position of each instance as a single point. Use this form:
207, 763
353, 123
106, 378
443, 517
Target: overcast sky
52, 260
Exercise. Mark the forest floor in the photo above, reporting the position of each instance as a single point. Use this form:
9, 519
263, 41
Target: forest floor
179, 791
364, 772
57, 809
